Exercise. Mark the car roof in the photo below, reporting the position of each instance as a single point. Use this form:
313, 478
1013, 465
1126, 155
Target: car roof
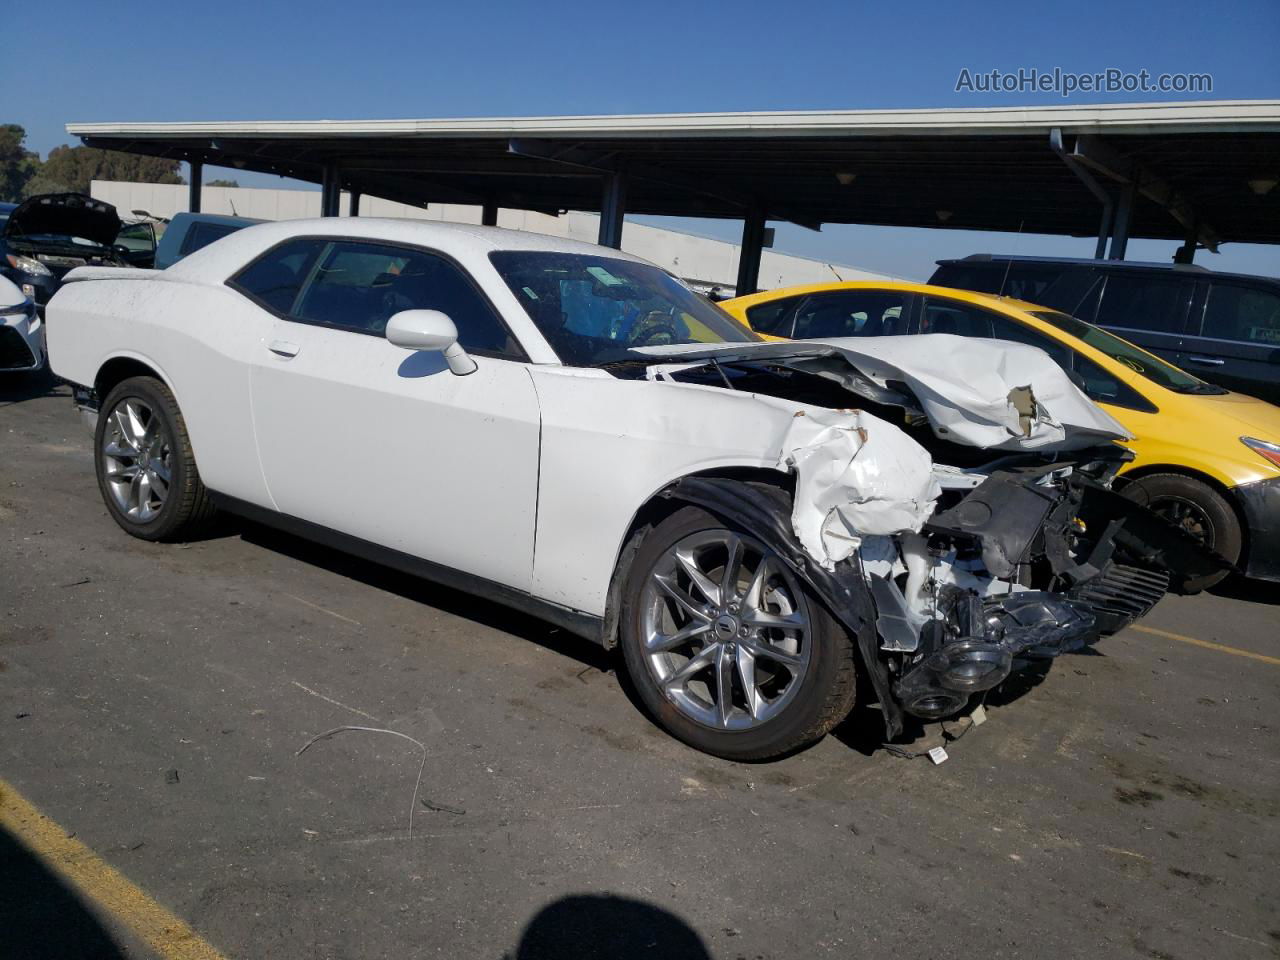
1139, 265
456, 239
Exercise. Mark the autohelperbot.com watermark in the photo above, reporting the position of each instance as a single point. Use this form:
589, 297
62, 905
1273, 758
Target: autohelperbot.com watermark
1067, 83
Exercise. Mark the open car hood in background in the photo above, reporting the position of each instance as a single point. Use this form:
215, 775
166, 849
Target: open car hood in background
65, 215
992, 394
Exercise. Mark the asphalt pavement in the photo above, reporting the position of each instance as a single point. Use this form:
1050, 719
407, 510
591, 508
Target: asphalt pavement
153, 700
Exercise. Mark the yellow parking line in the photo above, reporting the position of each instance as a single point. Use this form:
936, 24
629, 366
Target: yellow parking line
1209, 645
105, 886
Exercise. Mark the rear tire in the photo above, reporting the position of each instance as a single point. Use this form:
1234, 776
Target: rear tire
146, 469
777, 639
1197, 508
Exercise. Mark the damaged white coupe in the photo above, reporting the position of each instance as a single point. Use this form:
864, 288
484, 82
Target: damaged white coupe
572, 431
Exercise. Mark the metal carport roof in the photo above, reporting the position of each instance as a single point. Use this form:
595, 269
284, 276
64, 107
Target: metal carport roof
1160, 170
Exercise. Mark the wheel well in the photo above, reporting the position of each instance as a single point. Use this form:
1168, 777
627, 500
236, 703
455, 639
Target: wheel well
651, 513
116, 371
1213, 484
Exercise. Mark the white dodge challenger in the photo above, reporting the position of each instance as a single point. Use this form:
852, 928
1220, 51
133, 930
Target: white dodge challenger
570, 430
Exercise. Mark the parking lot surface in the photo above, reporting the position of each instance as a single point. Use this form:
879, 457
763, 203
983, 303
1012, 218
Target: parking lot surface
155, 698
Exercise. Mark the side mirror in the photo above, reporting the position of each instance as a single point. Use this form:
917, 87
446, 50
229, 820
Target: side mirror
430, 330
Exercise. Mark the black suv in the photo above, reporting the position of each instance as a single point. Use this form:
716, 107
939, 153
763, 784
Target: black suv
1223, 327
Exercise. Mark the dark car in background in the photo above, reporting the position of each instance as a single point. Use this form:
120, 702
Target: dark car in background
45, 236
188, 232
1223, 327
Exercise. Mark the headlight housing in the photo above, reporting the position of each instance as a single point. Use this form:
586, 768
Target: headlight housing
27, 265
1271, 451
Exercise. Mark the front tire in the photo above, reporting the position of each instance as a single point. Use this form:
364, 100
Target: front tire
1196, 508
728, 649
146, 469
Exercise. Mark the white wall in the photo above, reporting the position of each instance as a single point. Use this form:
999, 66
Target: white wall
697, 259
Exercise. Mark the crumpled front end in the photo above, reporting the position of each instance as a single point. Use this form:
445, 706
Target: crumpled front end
952, 574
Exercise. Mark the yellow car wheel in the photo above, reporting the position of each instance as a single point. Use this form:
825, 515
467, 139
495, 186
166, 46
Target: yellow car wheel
1196, 508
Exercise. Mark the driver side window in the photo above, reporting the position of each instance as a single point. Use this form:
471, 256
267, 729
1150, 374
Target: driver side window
359, 286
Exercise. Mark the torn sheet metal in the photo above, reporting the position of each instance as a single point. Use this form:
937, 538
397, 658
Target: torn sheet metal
993, 394
856, 476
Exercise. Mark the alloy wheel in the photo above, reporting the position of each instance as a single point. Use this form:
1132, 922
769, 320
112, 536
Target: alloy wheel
726, 630
137, 459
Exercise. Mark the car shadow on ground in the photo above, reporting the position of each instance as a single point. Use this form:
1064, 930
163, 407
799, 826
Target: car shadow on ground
17, 387
40, 916
1250, 591
488, 613
587, 927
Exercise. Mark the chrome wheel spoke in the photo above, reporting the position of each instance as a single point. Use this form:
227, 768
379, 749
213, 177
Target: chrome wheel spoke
746, 663
660, 643
762, 619
732, 566
705, 585
685, 602
724, 684
758, 648
696, 664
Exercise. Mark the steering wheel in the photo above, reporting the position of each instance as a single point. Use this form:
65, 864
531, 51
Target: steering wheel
654, 326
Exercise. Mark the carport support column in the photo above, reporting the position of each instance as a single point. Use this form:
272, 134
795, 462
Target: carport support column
752, 246
613, 205
330, 191
489, 214
1124, 213
353, 208
193, 188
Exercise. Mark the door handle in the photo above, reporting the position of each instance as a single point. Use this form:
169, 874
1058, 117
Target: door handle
1210, 361
283, 348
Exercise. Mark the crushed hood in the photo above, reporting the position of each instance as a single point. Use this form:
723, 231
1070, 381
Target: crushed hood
993, 394
64, 214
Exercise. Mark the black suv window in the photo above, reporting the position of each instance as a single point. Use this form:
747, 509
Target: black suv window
203, 232
1144, 302
1237, 311
850, 313
275, 278
1022, 281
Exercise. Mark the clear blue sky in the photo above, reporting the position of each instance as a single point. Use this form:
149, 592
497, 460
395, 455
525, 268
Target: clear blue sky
237, 60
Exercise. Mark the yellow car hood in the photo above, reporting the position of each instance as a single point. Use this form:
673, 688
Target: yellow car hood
1257, 418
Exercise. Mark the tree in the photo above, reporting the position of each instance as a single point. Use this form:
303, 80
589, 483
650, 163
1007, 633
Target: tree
17, 164
72, 168
222, 183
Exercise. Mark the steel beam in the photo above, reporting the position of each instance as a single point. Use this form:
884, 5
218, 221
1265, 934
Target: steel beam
1100, 157
752, 247
1124, 215
608, 161
194, 188
613, 205
330, 191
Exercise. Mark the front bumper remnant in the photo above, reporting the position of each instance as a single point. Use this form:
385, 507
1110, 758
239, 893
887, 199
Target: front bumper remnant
1260, 503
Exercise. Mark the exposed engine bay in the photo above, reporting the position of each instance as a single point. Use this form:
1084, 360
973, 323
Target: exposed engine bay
965, 561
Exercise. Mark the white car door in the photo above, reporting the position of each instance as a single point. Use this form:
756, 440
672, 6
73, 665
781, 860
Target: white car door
386, 444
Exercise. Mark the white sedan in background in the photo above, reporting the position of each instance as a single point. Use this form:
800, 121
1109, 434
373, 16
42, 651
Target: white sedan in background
572, 431
21, 330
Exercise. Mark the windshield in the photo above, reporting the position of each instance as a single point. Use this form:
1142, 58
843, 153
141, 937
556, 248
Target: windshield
597, 310
1123, 352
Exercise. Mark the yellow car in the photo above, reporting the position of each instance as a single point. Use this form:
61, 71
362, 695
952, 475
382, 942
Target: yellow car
1205, 458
